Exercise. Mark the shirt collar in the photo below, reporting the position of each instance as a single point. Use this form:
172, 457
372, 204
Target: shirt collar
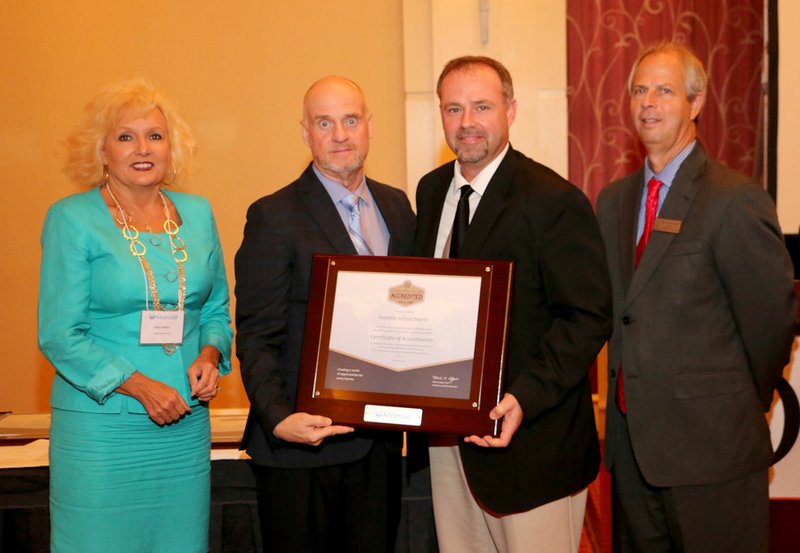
667, 174
481, 180
337, 190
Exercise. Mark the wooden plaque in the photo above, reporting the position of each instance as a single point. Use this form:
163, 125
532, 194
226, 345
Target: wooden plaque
406, 343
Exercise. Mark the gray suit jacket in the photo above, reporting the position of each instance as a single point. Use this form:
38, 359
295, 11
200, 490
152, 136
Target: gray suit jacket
273, 270
703, 327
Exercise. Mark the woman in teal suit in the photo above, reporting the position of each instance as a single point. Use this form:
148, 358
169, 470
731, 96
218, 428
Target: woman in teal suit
134, 316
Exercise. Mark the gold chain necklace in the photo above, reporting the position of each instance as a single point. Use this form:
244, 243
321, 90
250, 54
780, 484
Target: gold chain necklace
118, 217
138, 249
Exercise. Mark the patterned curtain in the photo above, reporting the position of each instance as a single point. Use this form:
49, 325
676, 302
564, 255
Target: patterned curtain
603, 39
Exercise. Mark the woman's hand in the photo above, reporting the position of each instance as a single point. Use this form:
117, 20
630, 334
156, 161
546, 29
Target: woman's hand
163, 403
204, 375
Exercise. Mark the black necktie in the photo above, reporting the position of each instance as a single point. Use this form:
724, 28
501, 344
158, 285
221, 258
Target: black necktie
461, 222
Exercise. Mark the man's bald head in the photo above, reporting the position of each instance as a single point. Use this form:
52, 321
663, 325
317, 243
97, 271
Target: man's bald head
337, 127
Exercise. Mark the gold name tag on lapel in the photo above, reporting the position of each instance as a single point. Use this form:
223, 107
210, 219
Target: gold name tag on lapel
671, 226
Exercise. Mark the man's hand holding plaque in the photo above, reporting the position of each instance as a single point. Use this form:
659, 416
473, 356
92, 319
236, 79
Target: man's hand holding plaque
510, 412
303, 428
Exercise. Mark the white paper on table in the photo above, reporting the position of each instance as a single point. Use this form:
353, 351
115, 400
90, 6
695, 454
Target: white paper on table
34, 454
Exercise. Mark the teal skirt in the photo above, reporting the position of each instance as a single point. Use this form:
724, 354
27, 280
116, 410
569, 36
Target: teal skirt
121, 483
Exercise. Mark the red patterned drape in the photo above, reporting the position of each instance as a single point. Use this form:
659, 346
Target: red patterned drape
603, 39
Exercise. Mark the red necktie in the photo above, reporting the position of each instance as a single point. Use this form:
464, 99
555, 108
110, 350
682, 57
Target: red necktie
650, 210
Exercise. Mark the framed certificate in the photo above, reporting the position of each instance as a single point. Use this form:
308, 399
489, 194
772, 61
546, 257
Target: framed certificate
406, 343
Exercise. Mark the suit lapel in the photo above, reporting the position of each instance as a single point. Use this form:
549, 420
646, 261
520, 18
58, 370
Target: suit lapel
676, 206
322, 211
628, 211
434, 203
388, 212
492, 205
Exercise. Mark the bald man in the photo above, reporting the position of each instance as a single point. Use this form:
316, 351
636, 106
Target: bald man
321, 487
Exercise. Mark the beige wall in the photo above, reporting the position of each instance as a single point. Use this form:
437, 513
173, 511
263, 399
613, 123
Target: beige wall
528, 36
237, 70
785, 476
788, 117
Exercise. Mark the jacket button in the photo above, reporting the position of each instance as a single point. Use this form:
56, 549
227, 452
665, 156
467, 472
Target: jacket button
626, 320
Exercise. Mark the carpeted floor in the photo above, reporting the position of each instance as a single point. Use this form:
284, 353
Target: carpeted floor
596, 536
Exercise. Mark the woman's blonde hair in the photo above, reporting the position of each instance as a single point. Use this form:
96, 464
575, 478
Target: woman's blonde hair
84, 163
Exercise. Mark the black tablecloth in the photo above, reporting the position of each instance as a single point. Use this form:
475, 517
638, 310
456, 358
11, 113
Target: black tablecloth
25, 522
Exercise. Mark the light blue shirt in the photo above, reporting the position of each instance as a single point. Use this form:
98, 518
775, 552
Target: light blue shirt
666, 175
373, 227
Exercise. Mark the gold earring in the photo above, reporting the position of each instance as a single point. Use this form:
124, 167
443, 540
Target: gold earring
105, 175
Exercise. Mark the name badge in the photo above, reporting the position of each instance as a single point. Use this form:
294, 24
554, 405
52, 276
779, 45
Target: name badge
671, 226
161, 327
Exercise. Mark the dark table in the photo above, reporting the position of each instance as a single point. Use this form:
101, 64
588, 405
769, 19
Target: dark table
25, 519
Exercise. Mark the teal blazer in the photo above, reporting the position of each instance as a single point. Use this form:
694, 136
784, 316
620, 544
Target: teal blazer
92, 292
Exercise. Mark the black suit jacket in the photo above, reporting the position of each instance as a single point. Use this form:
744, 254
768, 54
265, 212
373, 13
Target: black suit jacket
273, 267
703, 327
560, 318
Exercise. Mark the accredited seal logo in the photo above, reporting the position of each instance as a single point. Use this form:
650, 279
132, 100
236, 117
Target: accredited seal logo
406, 294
